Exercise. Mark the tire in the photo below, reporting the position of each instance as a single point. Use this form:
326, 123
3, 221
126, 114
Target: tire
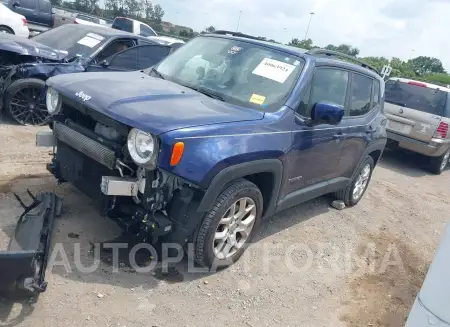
7, 30
347, 194
22, 102
204, 242
438, 164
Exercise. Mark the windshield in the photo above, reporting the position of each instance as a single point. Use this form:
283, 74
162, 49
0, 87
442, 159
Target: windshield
237, 72
416, 97
77, 42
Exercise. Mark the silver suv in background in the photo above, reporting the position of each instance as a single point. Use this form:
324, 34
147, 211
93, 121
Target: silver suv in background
418, 119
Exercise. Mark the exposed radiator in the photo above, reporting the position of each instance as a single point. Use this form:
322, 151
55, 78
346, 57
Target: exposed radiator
85, 145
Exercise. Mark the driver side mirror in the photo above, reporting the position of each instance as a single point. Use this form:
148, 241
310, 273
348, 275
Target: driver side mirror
16, 4
327, 113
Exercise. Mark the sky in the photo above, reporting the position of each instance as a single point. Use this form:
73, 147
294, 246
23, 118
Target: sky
390, 28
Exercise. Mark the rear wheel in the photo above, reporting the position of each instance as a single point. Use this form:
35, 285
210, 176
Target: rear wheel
4, 29
229, 226
25, 102
354, 192
438, 164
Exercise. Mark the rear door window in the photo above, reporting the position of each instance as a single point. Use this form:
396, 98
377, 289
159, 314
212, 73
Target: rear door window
361, 95
123, 24
146, 31
126, 60
417, 96
150, 55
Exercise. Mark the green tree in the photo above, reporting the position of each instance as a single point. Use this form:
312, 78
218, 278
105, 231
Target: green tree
147, 7
304, 44
133, 8
210, 29
426, 65
344, 48
56, 2
157, 14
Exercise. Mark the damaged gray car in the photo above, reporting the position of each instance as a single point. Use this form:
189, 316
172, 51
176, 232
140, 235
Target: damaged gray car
25, 64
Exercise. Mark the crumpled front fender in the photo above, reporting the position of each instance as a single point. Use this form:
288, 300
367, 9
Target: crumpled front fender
22, 266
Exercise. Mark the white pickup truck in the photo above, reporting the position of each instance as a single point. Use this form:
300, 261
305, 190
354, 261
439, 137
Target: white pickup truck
140, 28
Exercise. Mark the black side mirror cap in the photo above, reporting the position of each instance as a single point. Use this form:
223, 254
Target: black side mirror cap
16, 4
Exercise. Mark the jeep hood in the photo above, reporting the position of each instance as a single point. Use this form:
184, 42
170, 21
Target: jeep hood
28, 47
151, 104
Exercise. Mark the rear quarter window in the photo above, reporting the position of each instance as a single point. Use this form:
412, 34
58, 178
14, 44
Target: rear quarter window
422, 98
123, 24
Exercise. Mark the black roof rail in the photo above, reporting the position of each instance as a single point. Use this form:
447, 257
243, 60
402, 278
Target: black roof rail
238, 34
331, 53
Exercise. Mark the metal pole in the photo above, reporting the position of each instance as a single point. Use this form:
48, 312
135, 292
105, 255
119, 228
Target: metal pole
307, 29
239, 20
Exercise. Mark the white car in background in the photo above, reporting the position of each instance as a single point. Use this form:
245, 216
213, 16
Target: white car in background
133, 26
13, 23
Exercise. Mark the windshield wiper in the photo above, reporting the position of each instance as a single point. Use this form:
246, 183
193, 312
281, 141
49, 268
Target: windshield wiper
206, 92
157, 73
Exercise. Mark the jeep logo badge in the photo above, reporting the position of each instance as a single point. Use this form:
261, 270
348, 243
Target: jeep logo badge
83, 96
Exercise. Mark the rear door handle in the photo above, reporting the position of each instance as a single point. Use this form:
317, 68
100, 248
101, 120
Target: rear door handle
370, 130
340, 136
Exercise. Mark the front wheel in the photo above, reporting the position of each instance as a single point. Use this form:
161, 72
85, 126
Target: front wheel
25, 102
354, 192
438, 164
229, 226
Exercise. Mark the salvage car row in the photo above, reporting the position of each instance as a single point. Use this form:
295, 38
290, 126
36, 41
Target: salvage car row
198, 146
25, 64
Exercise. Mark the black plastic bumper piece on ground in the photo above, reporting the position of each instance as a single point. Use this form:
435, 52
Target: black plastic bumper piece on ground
22, 266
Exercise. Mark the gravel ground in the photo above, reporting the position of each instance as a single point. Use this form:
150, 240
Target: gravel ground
310, 266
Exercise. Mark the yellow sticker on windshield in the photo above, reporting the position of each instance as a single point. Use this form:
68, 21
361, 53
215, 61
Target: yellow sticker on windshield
258, 99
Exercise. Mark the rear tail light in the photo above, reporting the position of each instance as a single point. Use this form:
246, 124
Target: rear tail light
24, 20
442, 131
417, 84
75, 21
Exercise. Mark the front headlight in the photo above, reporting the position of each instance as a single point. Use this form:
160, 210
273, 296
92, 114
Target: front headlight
142, 147
53, 101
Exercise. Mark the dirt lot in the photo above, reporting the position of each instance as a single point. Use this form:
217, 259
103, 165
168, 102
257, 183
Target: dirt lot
357, 267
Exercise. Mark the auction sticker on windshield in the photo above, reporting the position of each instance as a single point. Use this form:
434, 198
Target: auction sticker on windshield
258, 99
90, 40
273, 69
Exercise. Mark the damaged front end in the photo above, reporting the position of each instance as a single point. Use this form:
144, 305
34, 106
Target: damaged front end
22, 266
20, 60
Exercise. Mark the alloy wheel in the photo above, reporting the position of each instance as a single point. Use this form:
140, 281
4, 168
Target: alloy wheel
361, 182
234, 228
27, 108
445, 160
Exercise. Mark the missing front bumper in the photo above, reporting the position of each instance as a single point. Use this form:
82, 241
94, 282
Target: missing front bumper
22, 266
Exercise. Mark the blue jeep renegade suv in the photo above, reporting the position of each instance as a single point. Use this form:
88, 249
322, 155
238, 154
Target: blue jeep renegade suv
225, 131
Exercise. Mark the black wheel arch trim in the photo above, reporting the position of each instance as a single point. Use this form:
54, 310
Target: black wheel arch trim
227, 175
378, 145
